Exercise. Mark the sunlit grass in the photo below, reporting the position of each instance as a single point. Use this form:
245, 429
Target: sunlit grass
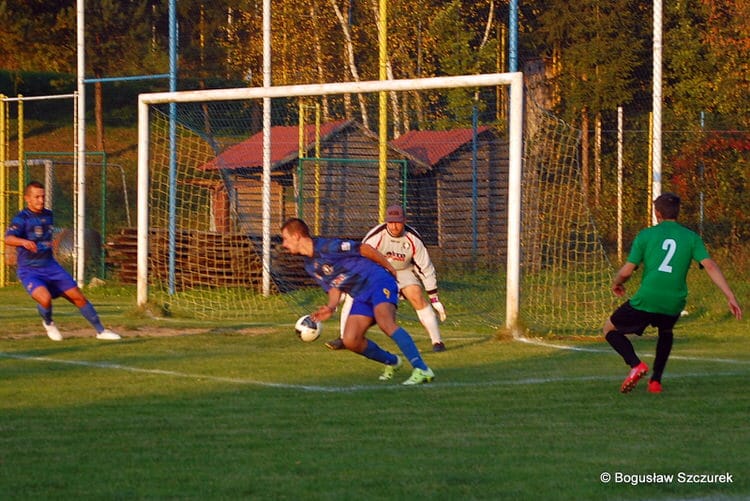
244, 410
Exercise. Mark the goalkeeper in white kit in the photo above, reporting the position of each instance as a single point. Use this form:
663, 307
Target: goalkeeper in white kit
403, 247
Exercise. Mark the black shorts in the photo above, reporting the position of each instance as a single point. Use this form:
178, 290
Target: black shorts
629, 320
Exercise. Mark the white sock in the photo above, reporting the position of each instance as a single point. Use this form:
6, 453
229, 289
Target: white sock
346, 307
429, 320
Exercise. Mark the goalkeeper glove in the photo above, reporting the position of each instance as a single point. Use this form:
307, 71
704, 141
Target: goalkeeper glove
438, 306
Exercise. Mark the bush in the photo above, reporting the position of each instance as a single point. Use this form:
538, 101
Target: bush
716, 169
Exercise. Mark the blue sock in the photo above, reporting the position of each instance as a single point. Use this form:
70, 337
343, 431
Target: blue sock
375, 352
46, 313
408, 348
89, 313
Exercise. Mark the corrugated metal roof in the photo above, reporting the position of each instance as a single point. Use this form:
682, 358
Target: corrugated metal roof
426, 147
284, 146
431, 146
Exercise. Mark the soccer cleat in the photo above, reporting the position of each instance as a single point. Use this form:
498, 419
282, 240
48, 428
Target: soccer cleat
335, 344
52, 331
636, 373
108, 335
419, 376
438, 347
654, 387
390, 370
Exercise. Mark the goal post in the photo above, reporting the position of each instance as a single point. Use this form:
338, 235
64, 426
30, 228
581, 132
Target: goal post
515, 154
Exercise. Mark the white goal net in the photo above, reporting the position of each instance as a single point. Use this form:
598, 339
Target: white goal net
220, 170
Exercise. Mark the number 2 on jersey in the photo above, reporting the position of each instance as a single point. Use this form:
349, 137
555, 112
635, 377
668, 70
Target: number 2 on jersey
670, 246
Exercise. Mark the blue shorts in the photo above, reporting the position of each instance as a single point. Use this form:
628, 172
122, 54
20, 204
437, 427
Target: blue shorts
383, 290
52, 276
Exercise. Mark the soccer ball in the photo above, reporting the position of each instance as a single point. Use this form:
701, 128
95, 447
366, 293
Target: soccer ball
307, 329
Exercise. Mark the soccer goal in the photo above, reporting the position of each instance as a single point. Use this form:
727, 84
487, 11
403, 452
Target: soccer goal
566, 270
215, 185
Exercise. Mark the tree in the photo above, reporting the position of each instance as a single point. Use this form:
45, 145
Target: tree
463, 48
30, 38
602, 48
599, 51
716, 168
350, 57
728, 39
708, 60
203, 33
117, 36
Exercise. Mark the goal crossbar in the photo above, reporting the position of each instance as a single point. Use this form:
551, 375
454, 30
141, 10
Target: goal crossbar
513, 80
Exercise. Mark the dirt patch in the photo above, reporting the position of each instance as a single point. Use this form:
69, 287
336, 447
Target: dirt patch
144, 332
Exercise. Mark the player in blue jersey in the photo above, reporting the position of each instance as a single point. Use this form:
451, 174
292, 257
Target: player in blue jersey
665, 251
40, 274
359, 270
404, 248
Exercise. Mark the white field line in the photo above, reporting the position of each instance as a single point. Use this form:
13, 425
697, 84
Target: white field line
162, 372
353, 388
539, 342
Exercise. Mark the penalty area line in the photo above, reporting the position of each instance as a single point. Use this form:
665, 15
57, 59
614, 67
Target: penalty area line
343, 389
544, 344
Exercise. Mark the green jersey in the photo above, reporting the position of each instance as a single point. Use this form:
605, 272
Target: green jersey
665, 251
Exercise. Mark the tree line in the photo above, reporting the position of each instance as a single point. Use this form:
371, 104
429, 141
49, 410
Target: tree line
597, 55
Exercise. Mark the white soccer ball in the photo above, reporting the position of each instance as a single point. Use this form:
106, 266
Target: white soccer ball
307, 329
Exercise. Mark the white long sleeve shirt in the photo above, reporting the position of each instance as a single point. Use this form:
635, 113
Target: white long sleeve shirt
405, 252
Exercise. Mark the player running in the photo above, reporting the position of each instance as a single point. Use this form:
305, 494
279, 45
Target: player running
40, 274
347, 266
405, 250
665, 251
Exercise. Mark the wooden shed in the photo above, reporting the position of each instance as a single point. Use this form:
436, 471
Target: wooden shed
457, 194
453, 182
330, 179
333, 185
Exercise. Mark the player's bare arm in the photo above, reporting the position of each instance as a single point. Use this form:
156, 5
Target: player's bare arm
368, 251
325, 312
714, 272
15, 241
622, 276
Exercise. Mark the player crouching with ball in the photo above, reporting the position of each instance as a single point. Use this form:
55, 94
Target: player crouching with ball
404, 248
340, 265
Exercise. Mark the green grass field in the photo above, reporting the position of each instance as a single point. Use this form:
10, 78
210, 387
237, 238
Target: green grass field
184, 409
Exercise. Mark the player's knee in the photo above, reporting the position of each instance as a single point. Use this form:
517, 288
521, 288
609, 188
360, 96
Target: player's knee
418, 302
608, 327
41, 295
613, 334
75, 296
388, 327
44, 302
666, 333
354, 343
409, 291
79, 301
